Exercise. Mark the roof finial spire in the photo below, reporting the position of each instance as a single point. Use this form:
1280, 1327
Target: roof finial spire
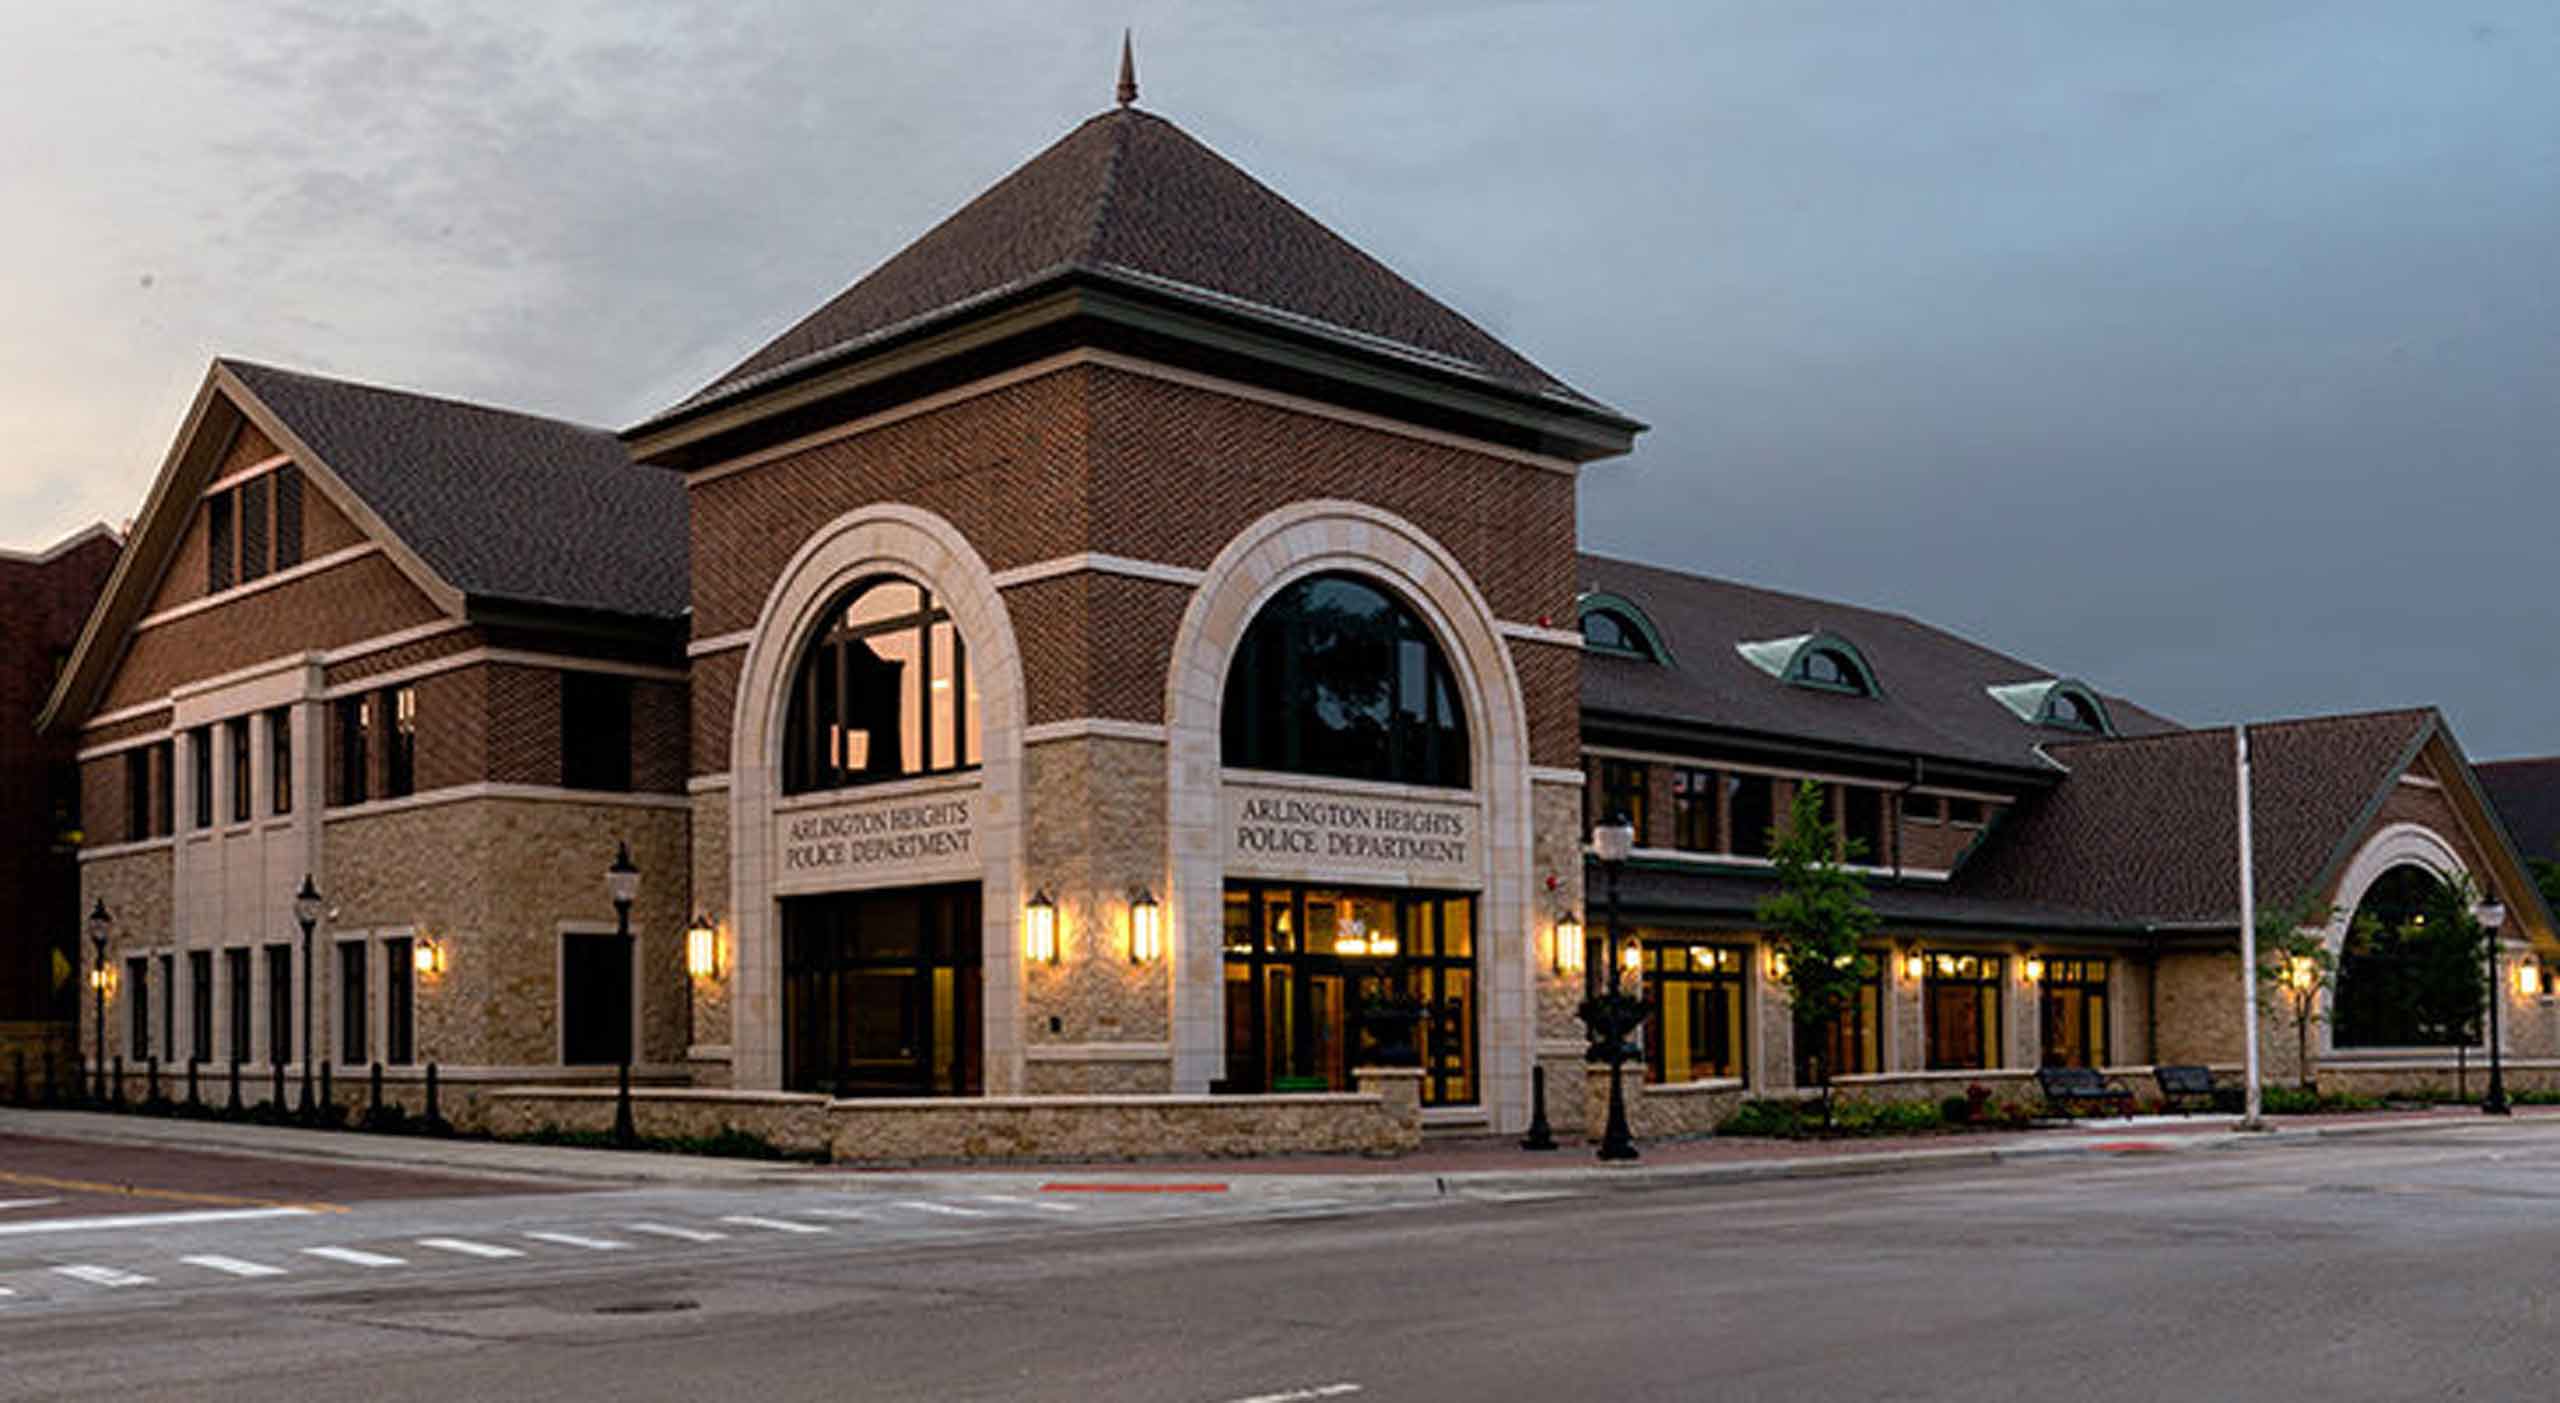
1128, 71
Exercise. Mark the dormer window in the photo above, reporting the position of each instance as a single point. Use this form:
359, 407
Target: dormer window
2060, 702
1614, 626
1829, 668
1822, 661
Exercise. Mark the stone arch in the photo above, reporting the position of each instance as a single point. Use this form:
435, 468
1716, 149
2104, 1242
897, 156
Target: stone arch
1284, 546
882, 539
2394, 846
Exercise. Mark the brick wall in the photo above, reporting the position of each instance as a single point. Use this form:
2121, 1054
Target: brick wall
347, 604
45, 603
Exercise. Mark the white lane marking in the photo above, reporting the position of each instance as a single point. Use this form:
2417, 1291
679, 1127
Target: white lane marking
749, 1220
1017, 1201
6, 1291
148, 1220
841, 1215
1302, 1395
466, 1247
354, 1256
232, 1266
1518, 1195
9, 1203
103, 1276
570, 1239
679, 1234
951, 1209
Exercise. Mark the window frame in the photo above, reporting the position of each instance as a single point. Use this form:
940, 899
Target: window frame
280, 760
1989, 982
400, 741
1425, 742
1729, 978
1697, 796
586, 762
236, 739
811, 764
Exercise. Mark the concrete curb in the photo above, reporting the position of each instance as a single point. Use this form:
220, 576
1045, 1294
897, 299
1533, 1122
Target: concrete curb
623, 1169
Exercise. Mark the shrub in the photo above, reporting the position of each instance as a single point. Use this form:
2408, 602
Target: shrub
1783, 1119
1956, 1110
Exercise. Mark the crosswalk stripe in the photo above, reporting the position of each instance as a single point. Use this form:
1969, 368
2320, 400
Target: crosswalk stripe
232, 1266
679, 1234
354, 1257
747, 1220
570, 1239
1017, 1201
950, 1209
103, 1276
468, 1248
9, 1203
846, 1215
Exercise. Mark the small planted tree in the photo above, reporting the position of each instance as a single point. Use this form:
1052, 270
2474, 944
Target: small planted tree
2295, 969
1818, 922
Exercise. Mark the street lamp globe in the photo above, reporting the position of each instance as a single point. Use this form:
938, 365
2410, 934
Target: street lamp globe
2490, 915
307, 905
100, 923
1614, 838
622, 879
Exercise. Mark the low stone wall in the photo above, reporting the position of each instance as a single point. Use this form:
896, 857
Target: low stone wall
2006, 1085
26, 1049
801, 1123
1662, 1112
2444, 1076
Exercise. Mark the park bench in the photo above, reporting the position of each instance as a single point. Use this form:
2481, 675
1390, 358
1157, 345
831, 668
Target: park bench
2183, 1086
2068, 1088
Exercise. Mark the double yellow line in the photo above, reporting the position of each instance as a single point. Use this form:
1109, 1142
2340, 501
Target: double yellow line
91, 1186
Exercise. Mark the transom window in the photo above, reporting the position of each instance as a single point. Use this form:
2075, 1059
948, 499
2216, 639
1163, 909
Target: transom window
1338, 677
885, 691
1961, 998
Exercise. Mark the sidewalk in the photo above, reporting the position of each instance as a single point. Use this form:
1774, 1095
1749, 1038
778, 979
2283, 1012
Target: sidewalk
1484, 1165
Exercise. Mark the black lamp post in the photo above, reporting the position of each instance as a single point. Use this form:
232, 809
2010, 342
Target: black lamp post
2491, 915
622, 883
1614, 1016
307, 909
100, 926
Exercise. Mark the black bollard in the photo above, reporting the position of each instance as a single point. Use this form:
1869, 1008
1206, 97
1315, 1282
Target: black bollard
625, 1133
373, 1097
326, 1113
48, 1077
234, 1106
193, 1102
19, 1059
275, 1092
435, 1116
1540, 1136
115, 1089
151, 1081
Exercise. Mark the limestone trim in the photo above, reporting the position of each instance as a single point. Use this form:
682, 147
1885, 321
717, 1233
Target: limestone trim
259, 468
2395, 845
1096, 562
1087, 727
1099, 1052
1697, 761
886, 538
539, 793
1541, 633
139, 845
305, 570
708, 784
1557, 774
123, 714
719, 643
116, 747
1684, 857
1282, 547
481, 657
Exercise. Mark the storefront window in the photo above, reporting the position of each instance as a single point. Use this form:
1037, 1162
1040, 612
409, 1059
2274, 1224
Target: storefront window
1698, 994
1851, 1044
1305, 963
1337, 677
2075, 1013
1961, 995
881, 992
884, 692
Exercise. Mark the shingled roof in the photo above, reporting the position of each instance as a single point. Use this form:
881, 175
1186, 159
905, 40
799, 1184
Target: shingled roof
2146, 829
501, 505
1935, 686
2527, 796
1129, 197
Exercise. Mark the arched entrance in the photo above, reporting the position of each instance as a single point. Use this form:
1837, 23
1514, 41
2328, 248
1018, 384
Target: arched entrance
2408, 958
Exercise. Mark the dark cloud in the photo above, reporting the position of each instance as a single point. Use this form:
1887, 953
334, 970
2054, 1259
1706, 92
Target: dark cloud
2203, 351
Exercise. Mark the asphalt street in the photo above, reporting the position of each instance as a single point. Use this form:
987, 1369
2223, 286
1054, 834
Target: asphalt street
2403, 1266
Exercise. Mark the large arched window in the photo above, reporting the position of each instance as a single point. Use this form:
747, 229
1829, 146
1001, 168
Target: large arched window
2409, 975
1338, 677
884, 691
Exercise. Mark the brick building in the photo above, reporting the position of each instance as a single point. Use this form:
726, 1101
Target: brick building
1102, 658
44, 597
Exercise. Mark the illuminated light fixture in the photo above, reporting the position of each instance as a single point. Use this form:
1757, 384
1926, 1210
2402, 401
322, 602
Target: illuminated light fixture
2035, 968
1350, 945
102, 979
2529, 977
1040, 929
1778, 964
1915, 965
1146, 928
2302, 972
427, 955
1632, 957
1946, 966
702, 949
1568, 953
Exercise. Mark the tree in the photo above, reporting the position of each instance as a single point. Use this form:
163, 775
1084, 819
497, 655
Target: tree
2295, 969
1817, 920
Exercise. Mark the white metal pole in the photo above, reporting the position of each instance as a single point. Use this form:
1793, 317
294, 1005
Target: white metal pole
2248, 930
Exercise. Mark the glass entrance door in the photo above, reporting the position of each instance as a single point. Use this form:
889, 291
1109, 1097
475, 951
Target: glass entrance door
1305, 966
881, 992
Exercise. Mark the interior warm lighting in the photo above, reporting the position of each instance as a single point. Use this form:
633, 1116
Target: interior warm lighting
702, 949
2529, 977
1350, 945
1567, 954
2035, 968
1146, 928
1040, 929
1632, 957
427, 955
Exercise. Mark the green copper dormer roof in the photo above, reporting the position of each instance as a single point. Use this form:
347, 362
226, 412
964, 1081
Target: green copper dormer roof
1822, 660
2061, 702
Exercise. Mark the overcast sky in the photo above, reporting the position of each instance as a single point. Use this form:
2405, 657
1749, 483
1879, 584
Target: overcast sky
2206, 351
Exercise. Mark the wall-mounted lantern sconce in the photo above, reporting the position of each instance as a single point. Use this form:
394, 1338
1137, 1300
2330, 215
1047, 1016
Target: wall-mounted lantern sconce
702, 948
1146, 928
1040, 929
2529, 976
1915, 966
102, 978
2034, 967
2301, 972
427, 954
1778, 965
1568, 954
1632, 956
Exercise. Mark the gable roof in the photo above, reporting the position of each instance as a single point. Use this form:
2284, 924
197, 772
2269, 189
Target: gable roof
2527, 796
1132, 199
1933, 699
500, 505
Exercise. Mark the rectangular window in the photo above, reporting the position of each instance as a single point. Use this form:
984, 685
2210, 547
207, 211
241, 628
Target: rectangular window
243, 995
1749, 797
137, 1002
1965, 811
288, 517
200, 754
354, 718
1698, 997
240, 776
1961, 997
400, 747
2074, 1001
1851, 1044
595, 731
1862, 824
354, 1032
1693, 810
280, 759
399, 1002
1922, 808
1622, 792
137, 793
221, 552
253, 529
169, 1005
200, 1005
164, 789
279, 1004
